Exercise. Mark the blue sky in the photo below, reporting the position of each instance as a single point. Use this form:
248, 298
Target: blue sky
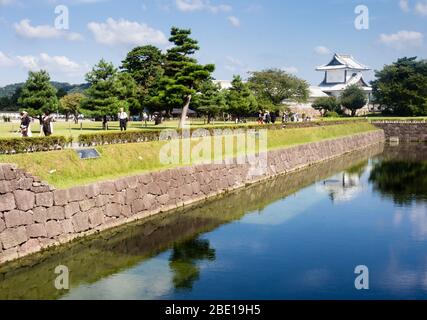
237, 35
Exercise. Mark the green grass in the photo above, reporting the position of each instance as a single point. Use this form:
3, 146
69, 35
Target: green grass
69, 129
64, 169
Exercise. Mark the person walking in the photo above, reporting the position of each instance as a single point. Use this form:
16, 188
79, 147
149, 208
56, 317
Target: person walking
47, 124
25, 125
123, 119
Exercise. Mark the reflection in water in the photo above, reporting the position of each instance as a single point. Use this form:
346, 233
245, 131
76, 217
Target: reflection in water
403, 181
114, 253
184, 260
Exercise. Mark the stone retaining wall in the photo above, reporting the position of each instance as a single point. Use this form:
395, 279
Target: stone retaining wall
406, 131
35, 216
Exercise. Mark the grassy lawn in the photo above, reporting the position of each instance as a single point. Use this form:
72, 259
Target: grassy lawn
64, 169
67, 129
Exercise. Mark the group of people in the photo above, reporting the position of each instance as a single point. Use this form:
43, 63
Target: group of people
45, 124
267, 117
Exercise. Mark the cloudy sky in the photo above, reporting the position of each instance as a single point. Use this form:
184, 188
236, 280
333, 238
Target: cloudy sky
237, 35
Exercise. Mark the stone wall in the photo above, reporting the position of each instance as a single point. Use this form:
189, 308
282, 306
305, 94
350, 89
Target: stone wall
406, 131
35, 216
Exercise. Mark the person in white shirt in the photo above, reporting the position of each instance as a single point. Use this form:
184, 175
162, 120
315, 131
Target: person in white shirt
123, 119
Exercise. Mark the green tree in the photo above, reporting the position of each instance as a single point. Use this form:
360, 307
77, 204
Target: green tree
37, 94
102, 95
353, 98
128, 93
401, 88
326, 104
183, 74
240, 99
273, 86
70, 105
210, 100
145, 65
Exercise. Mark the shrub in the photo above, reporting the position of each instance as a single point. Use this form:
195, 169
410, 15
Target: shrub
24, 145
332, 114
102, 138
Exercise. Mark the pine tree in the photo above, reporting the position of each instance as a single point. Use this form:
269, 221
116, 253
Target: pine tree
240, 100
38, 95
183, 74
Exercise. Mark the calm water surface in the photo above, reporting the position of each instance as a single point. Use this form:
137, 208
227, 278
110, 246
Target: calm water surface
296, 237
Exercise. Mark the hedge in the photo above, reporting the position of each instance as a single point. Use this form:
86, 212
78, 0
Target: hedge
102, 138
24, 145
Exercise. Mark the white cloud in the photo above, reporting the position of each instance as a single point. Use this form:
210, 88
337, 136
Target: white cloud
402, 39
421, 8
53, 64
200, 5
26, 30
6, 61
404, 5
293, 70
322, 50
125, 32
235, 22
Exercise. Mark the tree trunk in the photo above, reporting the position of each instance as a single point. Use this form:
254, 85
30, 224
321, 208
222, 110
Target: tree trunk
185, 112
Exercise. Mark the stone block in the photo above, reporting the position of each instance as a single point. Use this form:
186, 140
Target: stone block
67, 226
71, 209
31, 246
7, 202
96, 217
132, 182
92, 191
126, 211
24, 183
107, 188
56, 213
131, 195
102, 200
60, 197
112, 210
37, 230
5, 186
44, 199
81, 222
9, 172
164, 199
40, 214
16, 218
149, 201
86, 205
13, 237
153, 188
121, 185
53, 229
137, 206
77, 194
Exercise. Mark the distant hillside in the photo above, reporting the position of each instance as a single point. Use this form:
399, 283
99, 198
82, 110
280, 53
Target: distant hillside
9, 90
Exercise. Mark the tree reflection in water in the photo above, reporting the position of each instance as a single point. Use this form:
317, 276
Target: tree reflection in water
184, 259
404, 182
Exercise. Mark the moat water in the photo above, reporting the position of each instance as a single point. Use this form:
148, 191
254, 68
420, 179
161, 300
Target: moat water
299, 236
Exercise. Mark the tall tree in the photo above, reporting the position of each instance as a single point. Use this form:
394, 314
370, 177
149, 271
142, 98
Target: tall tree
353, 98
101, 97
183, 74
240, 100
38, 95
210, 100
401, 88
70, 105
128, 93
145, 65
273, 86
